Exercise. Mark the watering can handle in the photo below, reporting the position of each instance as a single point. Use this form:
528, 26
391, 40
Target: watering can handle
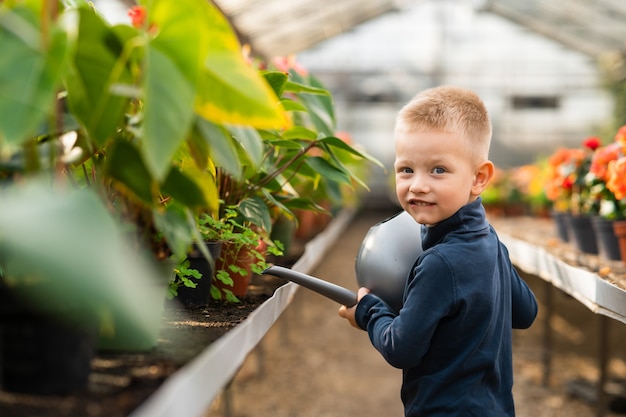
336, 293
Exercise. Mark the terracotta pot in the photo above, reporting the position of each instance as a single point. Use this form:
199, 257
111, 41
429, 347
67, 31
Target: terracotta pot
310, 223
619, 227
243, 259
306, 224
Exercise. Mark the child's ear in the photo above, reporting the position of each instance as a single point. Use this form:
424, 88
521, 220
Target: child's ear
483, 175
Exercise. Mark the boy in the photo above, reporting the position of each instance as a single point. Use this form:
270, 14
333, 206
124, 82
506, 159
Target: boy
452, 338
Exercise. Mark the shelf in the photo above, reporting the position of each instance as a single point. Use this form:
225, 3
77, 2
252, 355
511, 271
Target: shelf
589, 288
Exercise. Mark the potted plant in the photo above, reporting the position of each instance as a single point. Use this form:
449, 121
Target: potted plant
606, 181
561, 175
287, 169
238, 239
244, 251
84, 106
129, 157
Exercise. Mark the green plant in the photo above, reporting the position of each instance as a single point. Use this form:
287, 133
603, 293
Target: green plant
85, 106
146, 118
289, 167
237, 235
184, 275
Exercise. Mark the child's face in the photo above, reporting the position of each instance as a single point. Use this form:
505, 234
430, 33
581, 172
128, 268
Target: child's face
435, 174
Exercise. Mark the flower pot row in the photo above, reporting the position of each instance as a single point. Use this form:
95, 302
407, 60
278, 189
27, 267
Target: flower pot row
593, 234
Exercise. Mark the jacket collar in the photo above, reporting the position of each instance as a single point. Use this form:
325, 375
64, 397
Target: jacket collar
469, 218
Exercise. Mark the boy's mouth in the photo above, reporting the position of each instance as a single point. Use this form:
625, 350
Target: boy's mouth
420, 203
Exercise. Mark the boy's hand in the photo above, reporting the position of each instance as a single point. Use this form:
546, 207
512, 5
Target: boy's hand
348, 312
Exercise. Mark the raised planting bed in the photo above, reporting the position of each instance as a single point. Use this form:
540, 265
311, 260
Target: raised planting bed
199, 351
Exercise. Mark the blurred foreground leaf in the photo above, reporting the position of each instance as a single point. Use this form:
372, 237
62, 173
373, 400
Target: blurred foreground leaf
63, 250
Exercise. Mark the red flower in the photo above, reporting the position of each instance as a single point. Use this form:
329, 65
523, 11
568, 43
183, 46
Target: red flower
592, 142
137, 16
568, 183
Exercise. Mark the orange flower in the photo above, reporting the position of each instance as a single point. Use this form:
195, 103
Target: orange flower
617, 178
601, 159
620, 136
561, 175
559, 156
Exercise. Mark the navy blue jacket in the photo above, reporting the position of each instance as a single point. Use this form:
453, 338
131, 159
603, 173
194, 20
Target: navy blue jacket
452, 337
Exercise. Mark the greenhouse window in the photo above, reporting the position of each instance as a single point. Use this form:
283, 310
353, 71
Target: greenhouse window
535, 102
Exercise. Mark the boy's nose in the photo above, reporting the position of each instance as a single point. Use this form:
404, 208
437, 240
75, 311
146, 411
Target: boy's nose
419, 185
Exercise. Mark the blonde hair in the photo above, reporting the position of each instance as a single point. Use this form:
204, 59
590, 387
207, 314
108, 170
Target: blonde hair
453, 110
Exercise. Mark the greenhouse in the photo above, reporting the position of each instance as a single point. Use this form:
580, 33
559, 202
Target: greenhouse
230, 208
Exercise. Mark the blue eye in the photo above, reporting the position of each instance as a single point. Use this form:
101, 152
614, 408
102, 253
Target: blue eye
405, 170
439, 170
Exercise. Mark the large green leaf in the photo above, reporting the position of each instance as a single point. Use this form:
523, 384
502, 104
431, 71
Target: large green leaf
222, 149
277, 80
327, 170
172, 222
299, 132
203, 193
317, 101
63, 248
231, 91
29, 74
97, 64
340, 144
174, 59
168, 111
250, 140
125, 165
255, 210
185, 190
182, 34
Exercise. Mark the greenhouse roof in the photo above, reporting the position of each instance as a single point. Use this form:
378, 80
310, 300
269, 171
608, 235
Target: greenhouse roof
594, 27
279, 27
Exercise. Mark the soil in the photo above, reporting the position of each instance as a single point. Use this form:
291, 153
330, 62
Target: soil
120, 381
312, 363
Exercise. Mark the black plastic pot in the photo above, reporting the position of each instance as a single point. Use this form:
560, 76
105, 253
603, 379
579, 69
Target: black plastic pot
608, 244
583, 235
562, 225
40, 354
201, 294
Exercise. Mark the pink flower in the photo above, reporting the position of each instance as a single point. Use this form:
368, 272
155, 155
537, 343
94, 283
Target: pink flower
284, 64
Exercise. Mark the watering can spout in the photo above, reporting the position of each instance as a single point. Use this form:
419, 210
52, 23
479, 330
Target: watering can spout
328, 289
